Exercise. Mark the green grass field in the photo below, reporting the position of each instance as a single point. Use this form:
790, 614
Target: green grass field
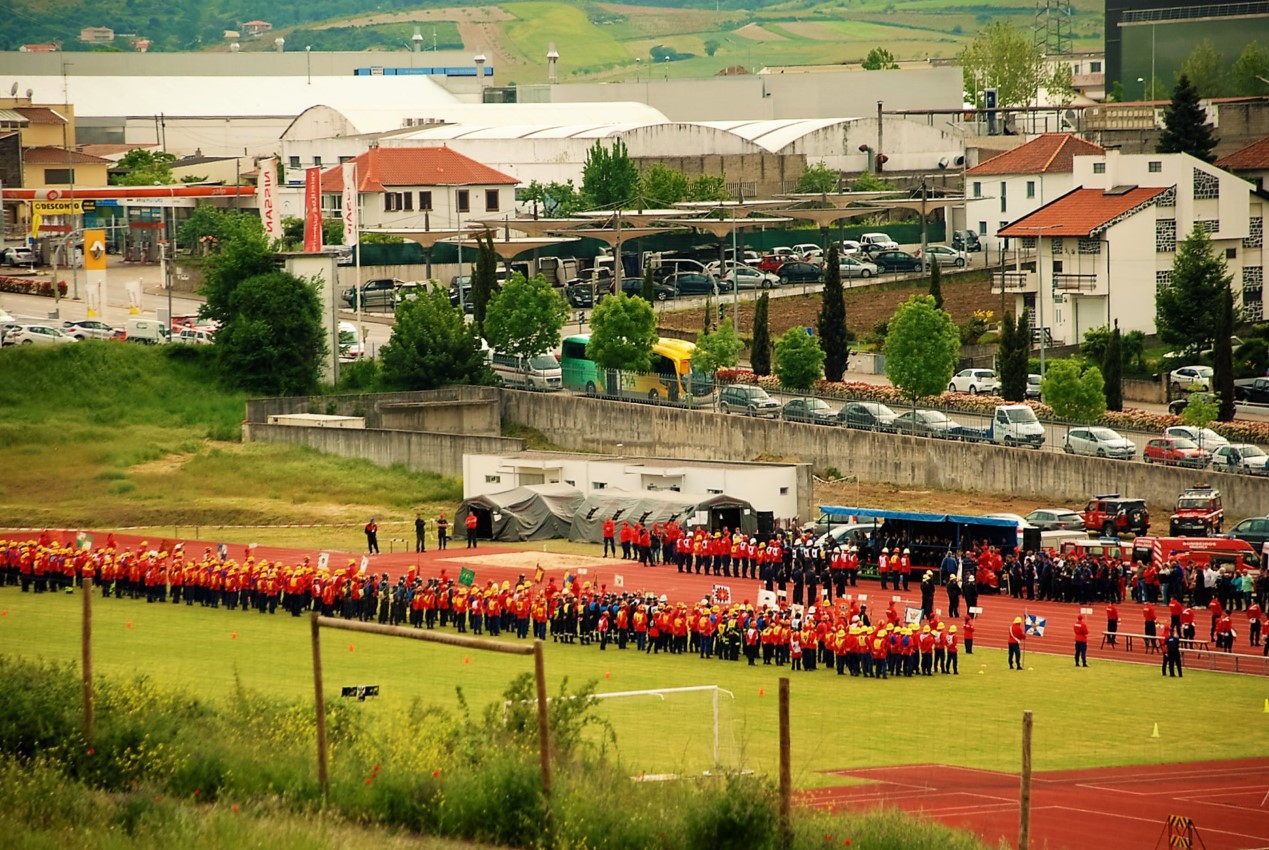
580, 42
1091, 717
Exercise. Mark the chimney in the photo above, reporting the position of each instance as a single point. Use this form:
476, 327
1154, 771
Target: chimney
552, 57
279, 44
417, 38
480, 69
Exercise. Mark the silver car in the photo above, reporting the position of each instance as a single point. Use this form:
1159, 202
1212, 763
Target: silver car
1241, 457
1098, 442
944, 256
924, 423
854, 267
1205, 437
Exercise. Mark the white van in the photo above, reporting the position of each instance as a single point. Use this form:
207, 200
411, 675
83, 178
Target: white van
539, 372
147, 331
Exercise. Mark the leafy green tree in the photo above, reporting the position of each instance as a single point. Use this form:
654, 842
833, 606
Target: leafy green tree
1253, 354
553, 200
921, 348
623, 330
708, 187
1201, 411
610, 179
484, 279
661, 186
1113, 370
1008, 59
760, 353
716, 349
879, 59
431, 346
1072, 395
649, 289
525, 317
818, 178
273, 343
210, 227
142, 167
832, 319
293, 231
799, 359
1223, 355
244, 255
1185, 127
1134, 343
1205, 68
711, 46
936, 285
1093, 347
1012, 360
869, 182
1186, 311
1250, 71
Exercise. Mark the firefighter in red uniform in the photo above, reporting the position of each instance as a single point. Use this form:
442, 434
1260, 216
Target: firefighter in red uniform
1017, 634
1081, 641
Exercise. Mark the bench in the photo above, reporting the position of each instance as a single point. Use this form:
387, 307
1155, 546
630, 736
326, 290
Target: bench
1152, 643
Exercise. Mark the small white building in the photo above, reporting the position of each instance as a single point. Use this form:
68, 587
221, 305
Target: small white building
422, 187
781, 490
1017, 182
1099, 253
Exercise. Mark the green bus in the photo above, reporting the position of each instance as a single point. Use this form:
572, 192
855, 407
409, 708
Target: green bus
671, 379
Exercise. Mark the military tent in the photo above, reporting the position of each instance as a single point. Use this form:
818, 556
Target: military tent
534, 512
690, 510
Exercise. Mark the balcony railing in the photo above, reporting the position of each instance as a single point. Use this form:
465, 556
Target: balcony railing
1075, 282
1013, 281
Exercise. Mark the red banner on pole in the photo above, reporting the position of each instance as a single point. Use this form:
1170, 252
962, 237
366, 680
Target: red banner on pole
313, 209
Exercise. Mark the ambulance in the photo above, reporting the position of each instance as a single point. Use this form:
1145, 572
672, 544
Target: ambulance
1216, 552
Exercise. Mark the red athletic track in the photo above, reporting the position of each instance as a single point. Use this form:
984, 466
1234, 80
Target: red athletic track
998, 611
1105, 809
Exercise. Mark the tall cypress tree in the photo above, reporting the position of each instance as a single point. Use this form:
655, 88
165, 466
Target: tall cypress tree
936, 285
483, 279
1011, 359
1113, 370
1223, 355
1185, 127
832, 319
760, 355
649, 286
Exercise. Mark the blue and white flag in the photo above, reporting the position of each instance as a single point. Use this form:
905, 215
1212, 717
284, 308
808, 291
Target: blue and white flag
1035, 625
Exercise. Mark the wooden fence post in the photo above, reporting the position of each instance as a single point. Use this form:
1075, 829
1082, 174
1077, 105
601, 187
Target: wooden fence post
86, 657
323, 779
544, 726
786, 775
1024, 808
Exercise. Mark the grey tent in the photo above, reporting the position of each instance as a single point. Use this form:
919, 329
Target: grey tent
535, 512
714, 511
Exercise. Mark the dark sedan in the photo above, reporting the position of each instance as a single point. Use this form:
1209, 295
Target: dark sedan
871, 415
813, 411
896, 261
695, 283
796, 271
1255, 531
634, 286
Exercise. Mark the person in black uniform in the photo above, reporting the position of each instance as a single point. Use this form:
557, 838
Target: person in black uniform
372, 536
420, 533
1171, 653
442, 531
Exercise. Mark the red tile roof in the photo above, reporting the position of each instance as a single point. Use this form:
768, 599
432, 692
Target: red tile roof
1051, 153
49, 155
40, 115
430, 166
1253, 157
1081, 212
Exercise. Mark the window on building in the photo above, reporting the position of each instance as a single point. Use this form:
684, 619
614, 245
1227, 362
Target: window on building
59, 176
1094, 67
407, 200
1030, 188
570, 483
1057, 266
294, 162
1231, 253
784, 491
493, 479
344, 159
425, 201
491, 200
1155, 166
1003, 186
1099, 168
464, 201
317, 162
599, 485
978, 189
982, 228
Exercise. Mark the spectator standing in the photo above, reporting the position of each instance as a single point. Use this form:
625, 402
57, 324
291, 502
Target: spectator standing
372, 536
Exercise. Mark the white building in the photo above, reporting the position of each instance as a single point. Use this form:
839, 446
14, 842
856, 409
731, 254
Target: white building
1099, 253
1019, 181
1250, 163
422, 187
783, 490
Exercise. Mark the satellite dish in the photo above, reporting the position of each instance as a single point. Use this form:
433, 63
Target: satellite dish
14, 91
29, 92
943, 162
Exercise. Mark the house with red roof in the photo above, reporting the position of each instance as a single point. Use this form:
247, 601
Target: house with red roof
1018, 181
1250, 163
1100, 252
435, 188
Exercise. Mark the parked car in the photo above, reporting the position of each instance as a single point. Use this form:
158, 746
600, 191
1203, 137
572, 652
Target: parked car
1033, 386
380, 293
1010, 425
748, 277
147, 332
1254, 531
966, 240
196, 336
1206, 438
1253, 390
749, 399
460, 292
813, 411
925, 423
1175, 451
20, 255
848, 248
748, 256
1241, 457
855, 267
872, 415
772, 262
579, 293
944, 256
1111, 515
634, 286
1191, 378
797, 271
785, 253
873, 242
1055, 519
807, 250
697, 283
412, 289
896, 261
90, 329
1098, 442
974, 381
36, 334
1199, 512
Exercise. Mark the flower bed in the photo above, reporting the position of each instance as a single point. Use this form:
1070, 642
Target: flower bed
30, 286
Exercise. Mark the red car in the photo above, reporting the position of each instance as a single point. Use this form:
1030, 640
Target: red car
771, 263
1176, 451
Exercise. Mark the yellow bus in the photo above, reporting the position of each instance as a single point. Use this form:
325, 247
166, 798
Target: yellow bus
671, 379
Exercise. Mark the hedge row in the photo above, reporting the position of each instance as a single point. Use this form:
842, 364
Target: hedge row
30, 286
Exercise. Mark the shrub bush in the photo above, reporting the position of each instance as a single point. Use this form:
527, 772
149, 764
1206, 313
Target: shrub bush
30, 286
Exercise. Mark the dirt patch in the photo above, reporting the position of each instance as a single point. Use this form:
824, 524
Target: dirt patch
486, 36
165, 465
891, 497
755, 32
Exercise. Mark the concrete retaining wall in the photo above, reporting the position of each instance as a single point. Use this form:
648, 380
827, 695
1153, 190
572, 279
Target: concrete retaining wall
581, 423
463, 410
416, 451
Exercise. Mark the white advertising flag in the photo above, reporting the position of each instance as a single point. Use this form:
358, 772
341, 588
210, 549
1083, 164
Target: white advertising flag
266, 198
352, 217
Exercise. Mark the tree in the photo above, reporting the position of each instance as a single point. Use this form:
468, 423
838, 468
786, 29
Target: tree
273, 342
1113, 370
623, 330
431, 346
832, 319
716, 349
1253, 354
525, 317
936, 285
818, 178
711, 46
661, 186
332, 232
1205, 69
879, 59
760, 352
649, 285
552, 200
1186, 311
708, 187
1201, 411
1012, 360
1185, 127
799, 360
610, 179
1006, 58
1072, 395
142, 167
209, 227
1250, 71
244, 255
869, 182
1223, 355
484, 279
922, 346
